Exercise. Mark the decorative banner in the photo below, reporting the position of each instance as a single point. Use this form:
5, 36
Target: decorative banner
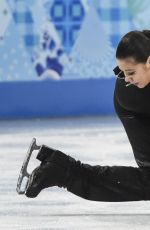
65, 39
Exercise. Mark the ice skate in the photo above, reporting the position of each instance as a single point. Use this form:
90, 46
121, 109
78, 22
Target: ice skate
51, 172
48, 173
23, 172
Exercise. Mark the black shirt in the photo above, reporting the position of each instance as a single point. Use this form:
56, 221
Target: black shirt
132, 105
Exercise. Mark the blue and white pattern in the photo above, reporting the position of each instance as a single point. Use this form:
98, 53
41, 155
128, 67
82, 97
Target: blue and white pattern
15, 64
67, 17
140, 13
24, 20
56, 36
116, 18
91, 55
50, 58
5, 18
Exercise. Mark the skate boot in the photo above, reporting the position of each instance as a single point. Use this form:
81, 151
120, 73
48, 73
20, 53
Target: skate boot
53, 171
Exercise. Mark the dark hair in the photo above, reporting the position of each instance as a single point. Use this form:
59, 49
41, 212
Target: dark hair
135, 44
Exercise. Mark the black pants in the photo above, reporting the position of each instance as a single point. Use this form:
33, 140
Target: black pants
113, 184
118, 183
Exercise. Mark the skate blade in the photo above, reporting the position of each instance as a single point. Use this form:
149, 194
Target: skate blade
24, 175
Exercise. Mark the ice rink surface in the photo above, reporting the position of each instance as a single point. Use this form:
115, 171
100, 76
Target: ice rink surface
93, 140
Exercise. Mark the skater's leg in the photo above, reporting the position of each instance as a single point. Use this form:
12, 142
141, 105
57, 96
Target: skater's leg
98, 183
113, 184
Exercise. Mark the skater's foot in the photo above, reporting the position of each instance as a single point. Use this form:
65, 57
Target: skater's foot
38, 179
35, 183
53, 171
48, 174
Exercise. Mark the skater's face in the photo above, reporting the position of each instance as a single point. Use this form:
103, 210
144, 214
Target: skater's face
135, 73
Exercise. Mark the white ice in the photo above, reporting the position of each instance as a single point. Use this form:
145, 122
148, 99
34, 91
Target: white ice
93, 140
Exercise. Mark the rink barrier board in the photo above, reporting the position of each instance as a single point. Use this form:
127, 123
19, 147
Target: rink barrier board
48, 98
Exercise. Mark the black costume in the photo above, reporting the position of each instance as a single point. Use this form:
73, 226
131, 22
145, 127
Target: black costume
107, 183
